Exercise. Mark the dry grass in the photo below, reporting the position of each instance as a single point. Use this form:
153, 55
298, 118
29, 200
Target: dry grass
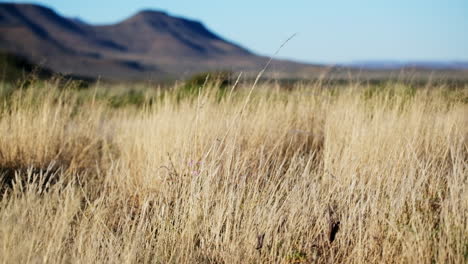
312, 175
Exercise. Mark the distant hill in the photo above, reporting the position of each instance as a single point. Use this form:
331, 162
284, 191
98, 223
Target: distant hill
151, 45
148, 45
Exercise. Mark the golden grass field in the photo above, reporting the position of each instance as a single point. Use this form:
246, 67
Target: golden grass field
313, 174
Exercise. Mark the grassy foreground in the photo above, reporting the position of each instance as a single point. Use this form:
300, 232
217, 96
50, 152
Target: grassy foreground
311, 175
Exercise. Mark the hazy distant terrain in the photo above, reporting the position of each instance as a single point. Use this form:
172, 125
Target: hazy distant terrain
153, 45
148, 45
435, 65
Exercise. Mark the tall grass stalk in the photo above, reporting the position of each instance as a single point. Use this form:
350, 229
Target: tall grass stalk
310, 175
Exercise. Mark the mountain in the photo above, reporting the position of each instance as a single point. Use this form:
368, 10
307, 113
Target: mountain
60, 44
148, 45
153, 45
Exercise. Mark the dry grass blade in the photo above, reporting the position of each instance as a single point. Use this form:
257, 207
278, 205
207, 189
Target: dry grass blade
314, 174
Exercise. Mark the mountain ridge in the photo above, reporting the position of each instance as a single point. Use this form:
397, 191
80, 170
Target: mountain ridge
149, 45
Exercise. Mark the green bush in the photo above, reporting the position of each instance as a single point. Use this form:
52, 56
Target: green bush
208, 80
132, 97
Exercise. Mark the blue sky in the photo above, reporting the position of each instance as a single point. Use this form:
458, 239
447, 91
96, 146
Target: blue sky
332, 31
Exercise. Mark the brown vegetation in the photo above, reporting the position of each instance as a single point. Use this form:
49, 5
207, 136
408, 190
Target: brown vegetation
311, 175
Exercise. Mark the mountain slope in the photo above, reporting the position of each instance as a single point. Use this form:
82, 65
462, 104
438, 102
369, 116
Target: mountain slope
40, 35
153, 45
156, 33
150, 44
13, 68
